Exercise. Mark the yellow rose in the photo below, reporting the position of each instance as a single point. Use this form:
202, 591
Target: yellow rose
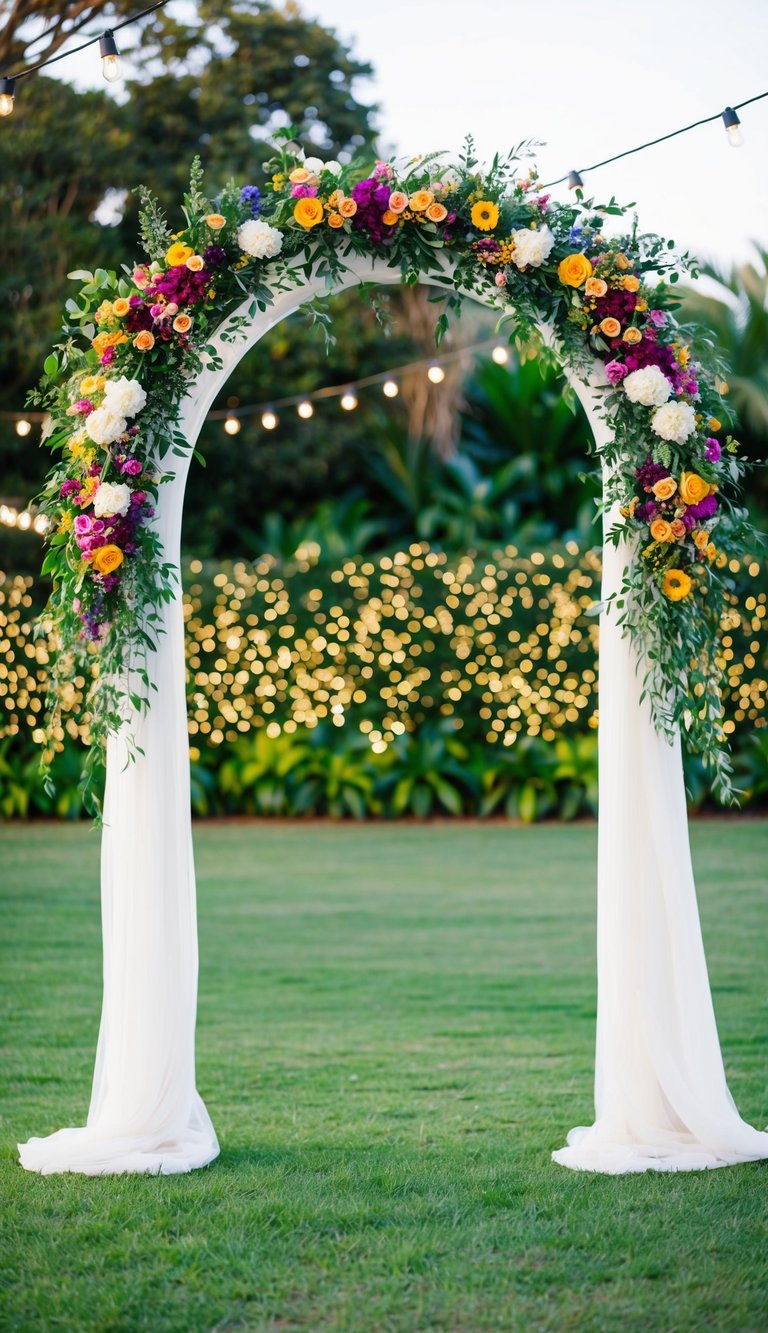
677, 585
215, 221
665, 488
595, 287
144, 341
622, 262
632, 335
107, 558
701, 539
661, 530
574, 270
178, 254
693, 488
485, 215
121, 307
421, 199
630, 283
308, 212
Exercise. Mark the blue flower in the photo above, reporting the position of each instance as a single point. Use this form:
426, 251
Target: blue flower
575, 235
251, 195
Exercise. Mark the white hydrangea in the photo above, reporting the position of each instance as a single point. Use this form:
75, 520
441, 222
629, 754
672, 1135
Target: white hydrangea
673, 422
648, 386
258, 239
105, 426
124, 397
313, 164
333, 166
532, 247
111, 499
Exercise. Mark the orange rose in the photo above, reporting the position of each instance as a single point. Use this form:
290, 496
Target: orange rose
308, 212
610, 327
335, 220
714, 424
700, 538
678, 528
182, 323
104, 340
437, 212
693, 488
107, 558
661, 530
574, 270
595, 287
622, 262
347, 208
632, 335
630, 283
300, 176
215, 221
144, 341
195, 263
420, 200
665, 488
120, 307
397, 201
389, 218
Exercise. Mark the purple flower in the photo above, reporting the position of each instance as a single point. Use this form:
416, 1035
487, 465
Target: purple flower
214, 255
304, 192
706, 508
70, 488
712, 451
647, 511
657, 317
251, 195
615, 371
108, 356
649, 473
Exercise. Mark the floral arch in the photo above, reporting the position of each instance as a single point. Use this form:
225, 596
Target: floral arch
153, 349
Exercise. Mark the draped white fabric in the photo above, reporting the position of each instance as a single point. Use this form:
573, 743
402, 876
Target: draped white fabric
661, 1097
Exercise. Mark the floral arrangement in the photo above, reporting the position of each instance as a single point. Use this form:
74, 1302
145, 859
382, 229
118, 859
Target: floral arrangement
134, 341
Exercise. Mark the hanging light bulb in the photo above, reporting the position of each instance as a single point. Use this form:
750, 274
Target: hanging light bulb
232, 425
348, 401
389, 389
7, 91
500, 355
23, 427
436, 374
268, 419
111, 64
733, 127
305, 410
574, 181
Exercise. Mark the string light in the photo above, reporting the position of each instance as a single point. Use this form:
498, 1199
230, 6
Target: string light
436, 374
389, 389
500, 355
305, 409
348, 400
111, 65
574, 181
7, 91
24, 519
23, 427
733, 127
268, 420
232, 425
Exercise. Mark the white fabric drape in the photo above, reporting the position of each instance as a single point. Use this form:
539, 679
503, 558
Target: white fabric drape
661, 1097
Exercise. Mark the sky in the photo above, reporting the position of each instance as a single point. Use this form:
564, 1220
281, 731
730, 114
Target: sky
589, 80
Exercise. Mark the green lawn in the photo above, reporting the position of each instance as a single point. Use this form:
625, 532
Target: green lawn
395, 1029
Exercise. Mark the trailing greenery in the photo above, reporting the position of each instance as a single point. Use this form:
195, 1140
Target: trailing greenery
395, 1028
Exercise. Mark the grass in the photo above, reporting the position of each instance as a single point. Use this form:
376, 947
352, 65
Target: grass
396, 1027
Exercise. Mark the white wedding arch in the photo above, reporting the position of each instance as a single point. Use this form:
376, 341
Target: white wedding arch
661, 1098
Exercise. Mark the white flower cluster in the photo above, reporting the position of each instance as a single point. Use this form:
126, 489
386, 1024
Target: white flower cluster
258, 239
674, 421
648, 386
532, 247
111, 500
316, 166
123, 398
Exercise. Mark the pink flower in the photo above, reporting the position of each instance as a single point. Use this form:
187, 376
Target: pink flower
501, 281
382, 171
108, 356
140, 278
615, 371
304, 191
657, 317
157, 311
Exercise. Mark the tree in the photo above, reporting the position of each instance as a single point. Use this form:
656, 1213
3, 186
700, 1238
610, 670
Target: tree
34, 30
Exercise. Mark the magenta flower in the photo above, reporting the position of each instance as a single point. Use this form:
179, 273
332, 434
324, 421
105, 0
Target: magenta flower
713, 450
615, 371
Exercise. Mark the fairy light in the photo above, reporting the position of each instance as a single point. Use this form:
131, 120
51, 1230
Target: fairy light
390, 389
7, 94
500, 355
305, 409
733, 127
232, 425
435, 373
23, 427
348, 400
268, 419
111, 65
